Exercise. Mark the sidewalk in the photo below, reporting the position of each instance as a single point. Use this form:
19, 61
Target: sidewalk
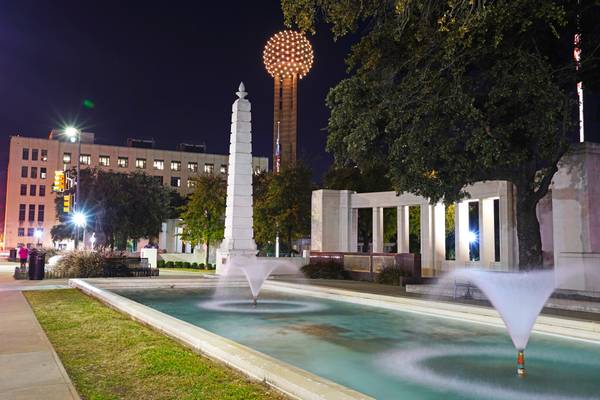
29, 366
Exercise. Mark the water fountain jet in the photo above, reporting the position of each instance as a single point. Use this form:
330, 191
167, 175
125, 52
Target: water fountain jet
518, 297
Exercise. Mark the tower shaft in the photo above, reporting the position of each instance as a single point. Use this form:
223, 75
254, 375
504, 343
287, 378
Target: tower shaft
285, 112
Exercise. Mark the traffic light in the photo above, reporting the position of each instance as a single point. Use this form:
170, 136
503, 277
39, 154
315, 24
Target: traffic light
59, 181
67, 203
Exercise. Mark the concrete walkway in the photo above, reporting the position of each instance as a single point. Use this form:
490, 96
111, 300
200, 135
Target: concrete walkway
29, 366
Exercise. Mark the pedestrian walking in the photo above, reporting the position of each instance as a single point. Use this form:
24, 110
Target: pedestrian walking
23, 253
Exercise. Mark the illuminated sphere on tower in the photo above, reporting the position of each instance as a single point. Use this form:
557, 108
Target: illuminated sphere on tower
288, 56
288, 53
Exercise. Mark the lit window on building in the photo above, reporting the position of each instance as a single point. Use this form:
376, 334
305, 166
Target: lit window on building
22, 212
123, 162
21, 232
25, 154
41, 213
42, 190
23, 190
44, 155
193, 167
175, 181
191, 183
34, 172
66, 158
223, 168
31, 213
140, 163
209, 168
43, 173
34, 154
175, 165
159, 164
32, 190
30, 231
24, 171
85, 159
104, 161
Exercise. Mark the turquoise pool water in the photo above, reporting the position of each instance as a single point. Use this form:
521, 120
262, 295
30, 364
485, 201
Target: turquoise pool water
388, 354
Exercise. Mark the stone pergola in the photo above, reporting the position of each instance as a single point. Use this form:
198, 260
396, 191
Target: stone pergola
335, 224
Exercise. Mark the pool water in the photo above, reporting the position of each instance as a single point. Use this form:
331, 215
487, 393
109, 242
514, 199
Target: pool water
388, 354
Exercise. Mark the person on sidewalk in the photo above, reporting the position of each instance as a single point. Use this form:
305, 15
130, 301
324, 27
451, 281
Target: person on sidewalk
23, 253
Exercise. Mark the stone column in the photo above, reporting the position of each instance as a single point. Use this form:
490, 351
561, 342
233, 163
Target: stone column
508, 230
439, 236
486, 232
461, 233
377, 230
426, 218
239, 234
402, 233
354, 231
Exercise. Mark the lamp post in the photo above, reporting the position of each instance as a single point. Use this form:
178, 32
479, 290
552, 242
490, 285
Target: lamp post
75, 135
38, 236
80, 221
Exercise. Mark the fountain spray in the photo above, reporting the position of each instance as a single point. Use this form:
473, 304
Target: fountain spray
254, 301
521, 363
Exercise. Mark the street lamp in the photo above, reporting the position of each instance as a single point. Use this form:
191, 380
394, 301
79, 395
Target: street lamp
80, 221
74, 135
38, 235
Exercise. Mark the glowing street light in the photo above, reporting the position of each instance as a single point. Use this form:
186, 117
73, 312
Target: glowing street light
472, 237
74, 135
79, 219
38, 235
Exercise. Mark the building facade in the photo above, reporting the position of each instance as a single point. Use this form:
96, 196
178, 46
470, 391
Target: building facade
30, 210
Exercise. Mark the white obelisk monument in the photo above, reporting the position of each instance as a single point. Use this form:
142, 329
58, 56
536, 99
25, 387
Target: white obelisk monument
238, 242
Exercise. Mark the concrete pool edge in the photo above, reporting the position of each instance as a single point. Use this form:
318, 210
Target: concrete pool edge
292, 381
572, 329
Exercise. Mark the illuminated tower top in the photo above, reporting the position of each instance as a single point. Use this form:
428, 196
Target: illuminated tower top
287, 54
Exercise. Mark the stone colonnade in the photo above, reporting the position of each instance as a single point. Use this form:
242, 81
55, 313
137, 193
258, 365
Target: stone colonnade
335, 225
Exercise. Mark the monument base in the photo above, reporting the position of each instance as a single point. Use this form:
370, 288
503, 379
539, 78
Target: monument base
227, 267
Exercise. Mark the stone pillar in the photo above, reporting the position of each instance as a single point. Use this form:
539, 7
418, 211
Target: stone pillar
426, 218
439, 236
576, 219
239, 234
377, 230
402, 233
461, 233
354, 231
486, 232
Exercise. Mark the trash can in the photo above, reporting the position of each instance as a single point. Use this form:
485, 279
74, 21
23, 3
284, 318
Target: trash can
37, 262
12, 255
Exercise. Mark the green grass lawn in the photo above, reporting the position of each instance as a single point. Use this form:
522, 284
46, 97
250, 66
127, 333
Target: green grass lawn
109, 356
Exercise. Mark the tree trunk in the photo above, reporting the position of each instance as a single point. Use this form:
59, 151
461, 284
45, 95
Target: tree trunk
528, 232
290, 240
207, 251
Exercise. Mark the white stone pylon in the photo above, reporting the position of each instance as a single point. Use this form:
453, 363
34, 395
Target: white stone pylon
238, 241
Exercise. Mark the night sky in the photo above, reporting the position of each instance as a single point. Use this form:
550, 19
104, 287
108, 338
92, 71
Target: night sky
158, 70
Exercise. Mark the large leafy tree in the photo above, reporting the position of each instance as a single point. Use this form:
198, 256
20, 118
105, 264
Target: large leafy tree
118, 207
448, 93
203, 214
282, 203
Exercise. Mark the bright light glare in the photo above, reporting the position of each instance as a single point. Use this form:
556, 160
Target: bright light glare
79, 219
472, 237
71, 131
38, 233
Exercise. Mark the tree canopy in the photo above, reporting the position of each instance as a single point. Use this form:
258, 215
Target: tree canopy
448, 93
203, 216
118, 207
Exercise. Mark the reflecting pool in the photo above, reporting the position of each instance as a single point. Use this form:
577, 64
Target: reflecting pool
387, 354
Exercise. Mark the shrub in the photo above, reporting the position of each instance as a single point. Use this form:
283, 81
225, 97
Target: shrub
160, 263
169, 264
390, 276
178, 264
194, 265
325, 270
186, 264
201, 265
50, 252
81, 264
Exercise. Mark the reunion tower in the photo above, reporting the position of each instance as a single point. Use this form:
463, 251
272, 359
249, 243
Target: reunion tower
288, 57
